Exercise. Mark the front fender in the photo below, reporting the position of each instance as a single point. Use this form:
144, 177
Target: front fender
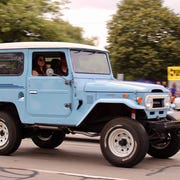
131, 104
127, 102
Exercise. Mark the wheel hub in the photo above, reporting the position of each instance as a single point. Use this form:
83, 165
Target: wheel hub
121, 142
3, 134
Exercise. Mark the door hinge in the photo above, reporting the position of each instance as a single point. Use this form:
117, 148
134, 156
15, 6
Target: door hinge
69, 105
68, 83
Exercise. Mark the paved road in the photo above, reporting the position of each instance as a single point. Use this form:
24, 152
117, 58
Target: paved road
176, 114
81, 161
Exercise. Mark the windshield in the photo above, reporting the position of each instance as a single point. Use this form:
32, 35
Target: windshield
91, 62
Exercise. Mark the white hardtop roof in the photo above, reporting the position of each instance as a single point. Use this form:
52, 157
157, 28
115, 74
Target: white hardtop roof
32, 45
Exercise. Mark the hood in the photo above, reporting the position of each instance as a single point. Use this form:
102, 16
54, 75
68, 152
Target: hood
122, 86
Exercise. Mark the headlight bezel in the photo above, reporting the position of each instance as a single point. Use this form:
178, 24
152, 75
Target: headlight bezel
163, 100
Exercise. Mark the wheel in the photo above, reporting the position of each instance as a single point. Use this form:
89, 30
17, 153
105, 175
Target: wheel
167, 148
49, 139
10, 134
124, 142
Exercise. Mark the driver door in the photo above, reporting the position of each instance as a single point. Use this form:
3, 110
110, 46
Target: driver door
48, 96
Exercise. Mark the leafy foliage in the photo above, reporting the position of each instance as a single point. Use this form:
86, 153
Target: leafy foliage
36, 20
144, 38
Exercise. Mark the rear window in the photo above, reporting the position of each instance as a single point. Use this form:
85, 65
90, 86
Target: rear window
11, 64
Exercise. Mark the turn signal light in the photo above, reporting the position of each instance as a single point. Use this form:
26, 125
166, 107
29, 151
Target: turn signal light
139, 100
125, 95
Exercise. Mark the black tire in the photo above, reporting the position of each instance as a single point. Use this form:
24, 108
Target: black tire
124, 142
167, 148
10, 134
48, 139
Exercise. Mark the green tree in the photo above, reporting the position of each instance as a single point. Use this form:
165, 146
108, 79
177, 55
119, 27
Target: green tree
144, 38
36, 20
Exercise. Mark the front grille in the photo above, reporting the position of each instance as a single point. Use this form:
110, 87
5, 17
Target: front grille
158, 103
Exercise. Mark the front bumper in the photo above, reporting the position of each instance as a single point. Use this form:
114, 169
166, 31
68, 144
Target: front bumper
164, 125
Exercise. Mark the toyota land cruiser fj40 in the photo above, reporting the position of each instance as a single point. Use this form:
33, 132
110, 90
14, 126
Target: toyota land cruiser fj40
130, 118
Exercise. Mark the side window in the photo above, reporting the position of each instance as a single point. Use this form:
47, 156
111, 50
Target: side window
41, 61
11, 64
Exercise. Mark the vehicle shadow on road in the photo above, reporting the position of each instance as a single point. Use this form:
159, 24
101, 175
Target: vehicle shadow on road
90, 153
64, 153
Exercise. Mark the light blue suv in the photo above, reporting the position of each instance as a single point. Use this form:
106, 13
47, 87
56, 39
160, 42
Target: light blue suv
129, 117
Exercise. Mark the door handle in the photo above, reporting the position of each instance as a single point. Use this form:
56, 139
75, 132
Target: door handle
33, 91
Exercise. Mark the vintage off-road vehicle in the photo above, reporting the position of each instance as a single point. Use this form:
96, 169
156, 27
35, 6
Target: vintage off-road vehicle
129, 117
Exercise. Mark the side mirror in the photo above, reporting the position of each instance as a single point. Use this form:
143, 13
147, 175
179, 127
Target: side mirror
49, 72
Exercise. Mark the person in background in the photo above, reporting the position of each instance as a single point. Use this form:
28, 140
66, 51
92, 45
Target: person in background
173, 90
39, 66
164, 84
158, 82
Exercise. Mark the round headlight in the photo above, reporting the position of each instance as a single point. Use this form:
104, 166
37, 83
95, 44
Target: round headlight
149, 102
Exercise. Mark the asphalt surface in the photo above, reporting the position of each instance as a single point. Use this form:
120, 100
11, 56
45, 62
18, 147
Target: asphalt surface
80, 161
175, 114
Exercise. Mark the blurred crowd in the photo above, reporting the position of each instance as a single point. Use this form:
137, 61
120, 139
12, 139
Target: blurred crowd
174, 88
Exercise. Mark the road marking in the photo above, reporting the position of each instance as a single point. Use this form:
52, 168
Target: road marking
77, 175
